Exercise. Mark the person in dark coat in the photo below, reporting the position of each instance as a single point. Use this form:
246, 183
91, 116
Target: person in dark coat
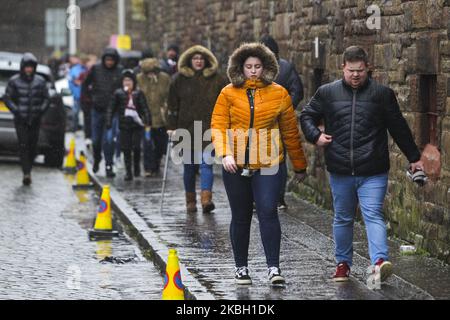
27, 98
130, 105
170, 63
85, 99
101, 82
146, 54
290, 80
192, 96
358, 113
155, 86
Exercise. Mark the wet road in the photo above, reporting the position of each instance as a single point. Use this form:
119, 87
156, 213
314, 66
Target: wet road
204, 247
44, 248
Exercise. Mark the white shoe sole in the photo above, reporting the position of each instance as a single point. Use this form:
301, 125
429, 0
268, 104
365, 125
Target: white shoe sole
243, 281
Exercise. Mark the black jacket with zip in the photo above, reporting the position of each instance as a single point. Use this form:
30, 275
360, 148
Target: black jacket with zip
358, 121
119, 105
101, 81
27, 96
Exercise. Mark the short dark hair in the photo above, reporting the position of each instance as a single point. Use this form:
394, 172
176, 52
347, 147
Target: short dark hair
354, 54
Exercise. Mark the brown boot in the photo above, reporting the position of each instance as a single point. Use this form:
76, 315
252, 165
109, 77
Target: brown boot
207, 204
191, 202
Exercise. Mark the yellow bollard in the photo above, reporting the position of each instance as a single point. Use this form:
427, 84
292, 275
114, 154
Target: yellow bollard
70, 165
103, 222
173, 286
82, 176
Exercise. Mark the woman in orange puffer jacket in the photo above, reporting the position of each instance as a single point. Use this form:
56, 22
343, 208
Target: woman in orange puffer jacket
251, 117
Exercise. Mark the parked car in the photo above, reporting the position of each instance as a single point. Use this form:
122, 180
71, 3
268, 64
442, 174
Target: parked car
53, 123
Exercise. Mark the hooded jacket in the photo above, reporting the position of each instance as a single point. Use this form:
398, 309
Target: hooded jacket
192, 95
119, 104
27, 96
271, 118
288, 76
358, 120
155, 89
101, 81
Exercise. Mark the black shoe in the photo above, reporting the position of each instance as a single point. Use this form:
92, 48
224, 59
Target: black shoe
95, 167
137, 173
275, 276
109, 172
241, 276
26, 180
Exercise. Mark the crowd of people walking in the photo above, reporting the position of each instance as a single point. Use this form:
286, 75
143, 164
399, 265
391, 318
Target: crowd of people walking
248, 116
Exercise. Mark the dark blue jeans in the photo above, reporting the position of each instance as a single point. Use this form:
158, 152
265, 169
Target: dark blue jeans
102, 138
264, 190
283, 177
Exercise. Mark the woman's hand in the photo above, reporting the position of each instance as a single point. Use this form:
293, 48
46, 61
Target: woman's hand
229, 164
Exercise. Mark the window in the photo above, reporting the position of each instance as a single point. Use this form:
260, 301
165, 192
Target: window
428, 110
55, 28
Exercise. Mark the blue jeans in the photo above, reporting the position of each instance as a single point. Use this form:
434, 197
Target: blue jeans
102, 138
264, 190
369, 192
206, 172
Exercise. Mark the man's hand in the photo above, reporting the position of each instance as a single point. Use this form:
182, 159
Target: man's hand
417, 166
229, 164
324, 140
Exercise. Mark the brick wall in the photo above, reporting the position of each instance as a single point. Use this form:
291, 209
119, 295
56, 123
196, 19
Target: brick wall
412, 44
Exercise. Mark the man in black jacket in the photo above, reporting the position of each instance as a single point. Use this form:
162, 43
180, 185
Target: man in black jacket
358, 113
100, 84
27, 98
289, 79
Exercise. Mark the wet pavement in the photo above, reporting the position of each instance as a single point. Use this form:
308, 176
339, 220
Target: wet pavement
45, 252
307, 259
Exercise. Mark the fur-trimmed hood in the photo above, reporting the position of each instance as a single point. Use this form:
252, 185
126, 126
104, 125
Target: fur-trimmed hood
150, 65
236, 62
184, 64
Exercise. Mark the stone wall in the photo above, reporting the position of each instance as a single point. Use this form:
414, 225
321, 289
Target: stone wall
410, 53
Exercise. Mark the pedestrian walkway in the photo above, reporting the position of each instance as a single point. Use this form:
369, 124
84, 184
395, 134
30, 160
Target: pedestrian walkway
307, 258
45, 252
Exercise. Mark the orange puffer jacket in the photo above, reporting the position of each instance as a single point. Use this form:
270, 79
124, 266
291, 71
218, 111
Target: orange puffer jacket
274, 121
